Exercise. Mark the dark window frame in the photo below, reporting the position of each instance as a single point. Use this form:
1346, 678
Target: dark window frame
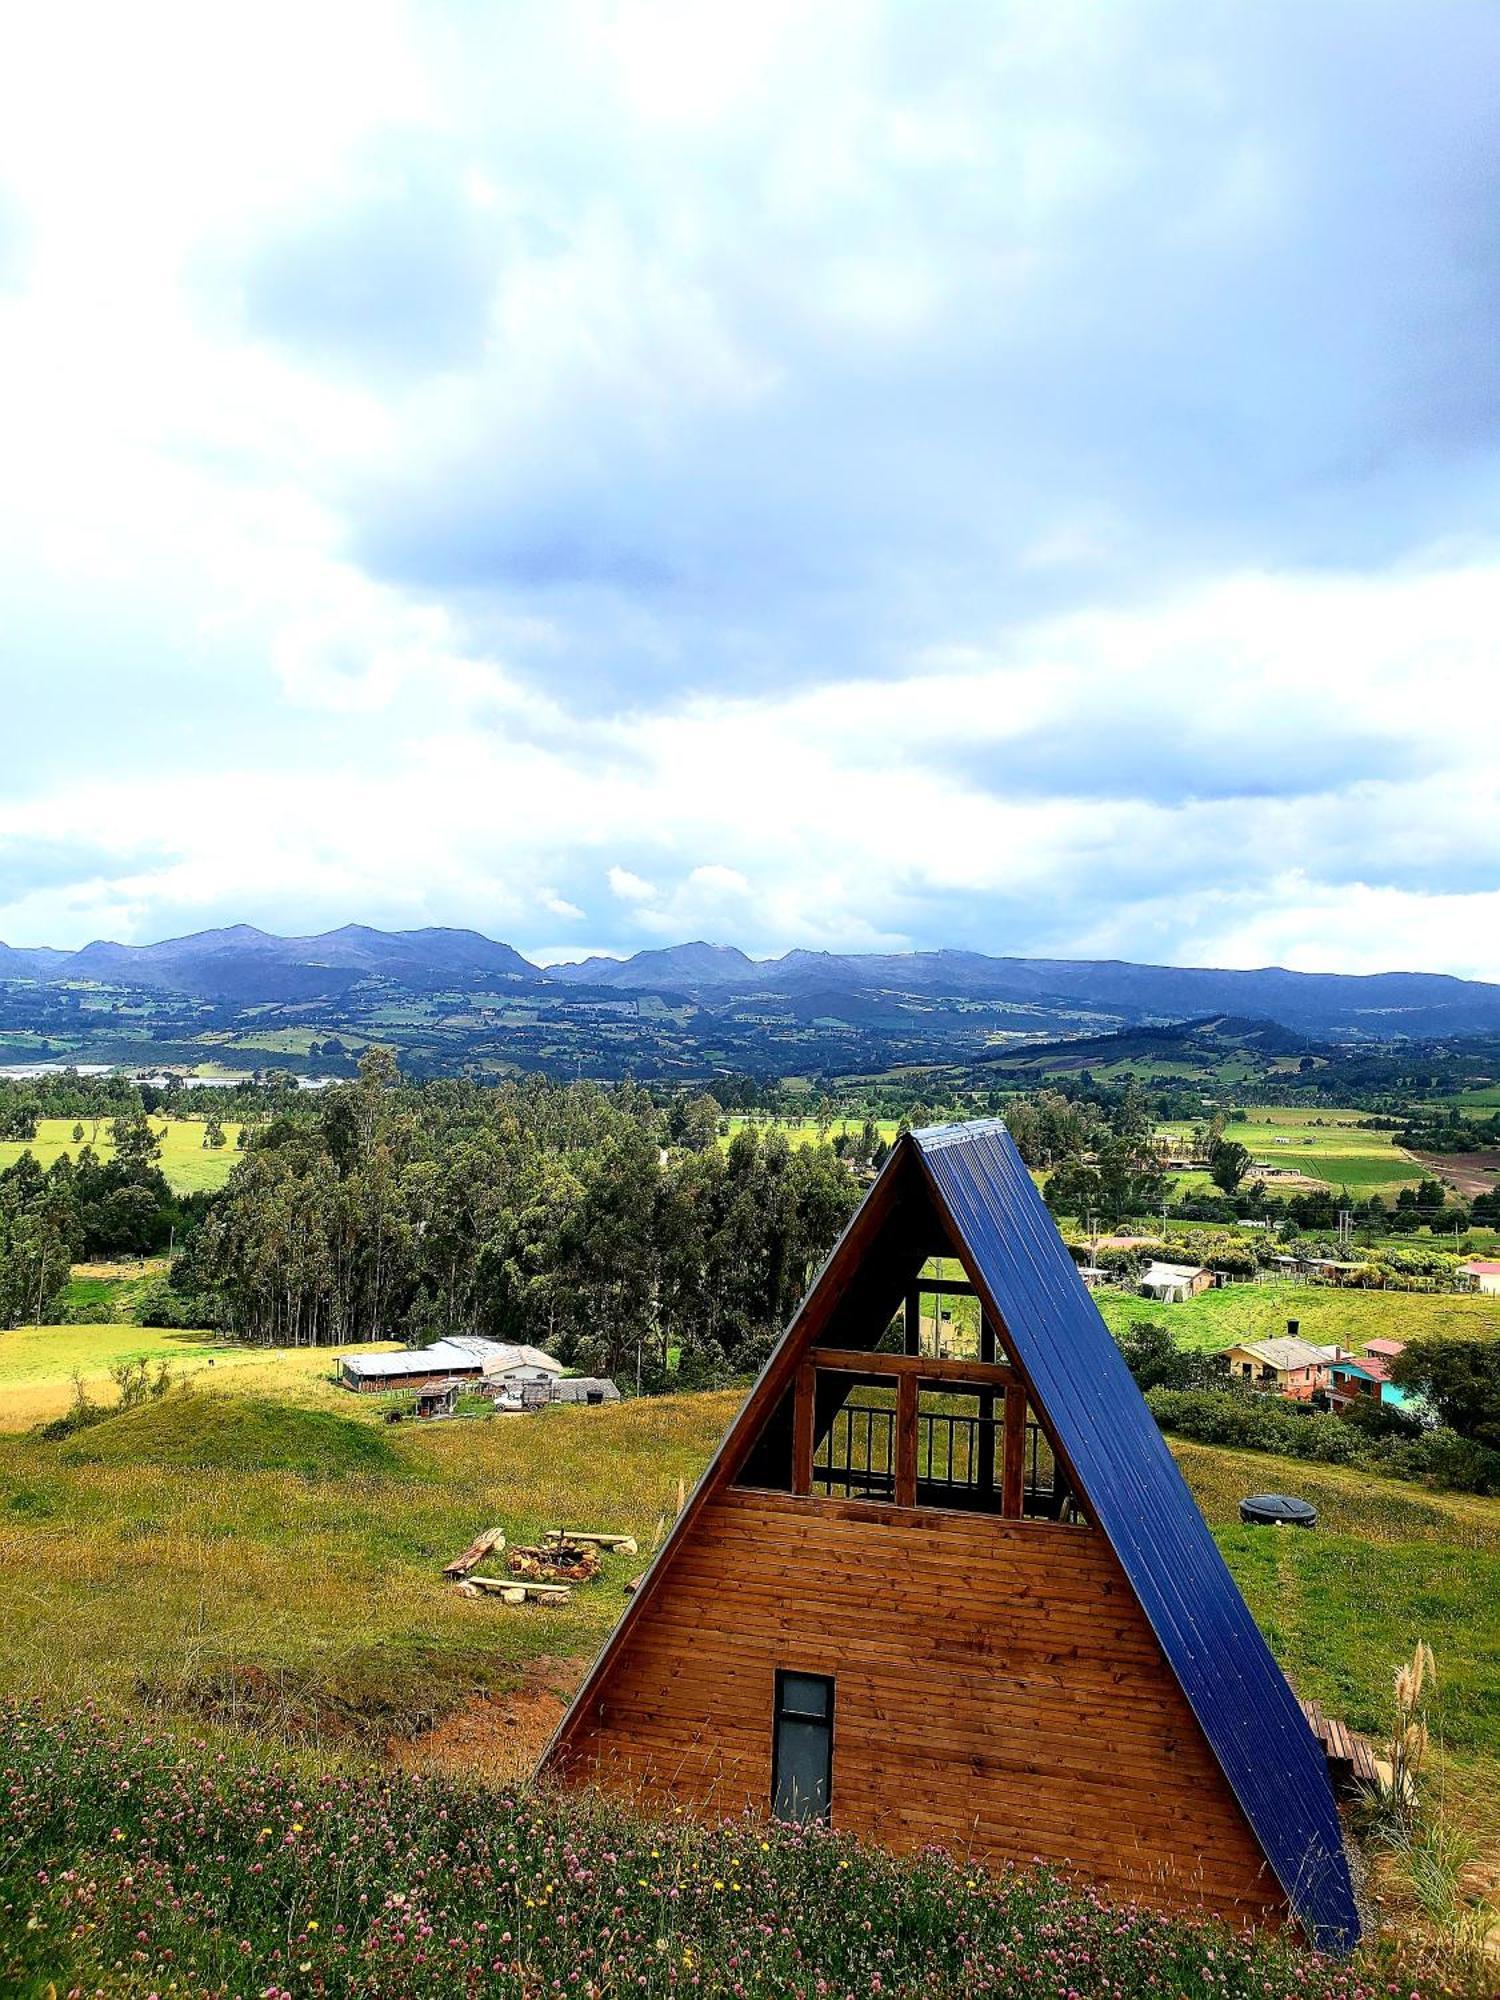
780, 1712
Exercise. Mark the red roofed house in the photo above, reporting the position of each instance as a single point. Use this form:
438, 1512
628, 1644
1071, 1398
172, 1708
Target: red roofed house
1482, 1273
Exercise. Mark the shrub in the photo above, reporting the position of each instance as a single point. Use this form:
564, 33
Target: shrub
1381, 1420
1242, 1422
1156, 1361
159, 1303
1460, 1379
1440, 1458
1255, 1423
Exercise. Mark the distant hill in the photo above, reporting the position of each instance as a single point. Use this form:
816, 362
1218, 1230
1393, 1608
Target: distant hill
1193, 1043
245, 964
673, 968
1377, 1006
930, 997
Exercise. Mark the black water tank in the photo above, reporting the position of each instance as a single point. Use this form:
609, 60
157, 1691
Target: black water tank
1277, 1510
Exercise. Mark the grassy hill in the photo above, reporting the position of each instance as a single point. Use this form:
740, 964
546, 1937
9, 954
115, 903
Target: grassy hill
229, 1541
259, 1557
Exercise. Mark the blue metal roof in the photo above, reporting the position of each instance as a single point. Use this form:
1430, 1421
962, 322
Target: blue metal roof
1134, 1491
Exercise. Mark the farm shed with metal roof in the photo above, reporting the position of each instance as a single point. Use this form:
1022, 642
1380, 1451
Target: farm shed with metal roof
965, 1600
468, 1355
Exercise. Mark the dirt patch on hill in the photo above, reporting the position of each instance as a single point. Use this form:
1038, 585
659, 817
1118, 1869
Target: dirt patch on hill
496, 1737
1469, 1173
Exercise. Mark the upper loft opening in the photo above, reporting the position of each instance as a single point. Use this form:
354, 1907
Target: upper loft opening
906, 1395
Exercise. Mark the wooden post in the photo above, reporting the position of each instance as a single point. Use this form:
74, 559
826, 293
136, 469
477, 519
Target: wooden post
802, 1429
906, 1441
986, 1438
913, 1320
1013, 1472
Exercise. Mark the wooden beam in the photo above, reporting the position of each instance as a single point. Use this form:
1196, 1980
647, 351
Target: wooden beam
1013, 1464
924, 1367
947, 1288
906, 1440
802, 1430
913, 1321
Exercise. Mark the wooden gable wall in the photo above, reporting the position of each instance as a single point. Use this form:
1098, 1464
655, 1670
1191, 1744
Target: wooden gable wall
999, 1691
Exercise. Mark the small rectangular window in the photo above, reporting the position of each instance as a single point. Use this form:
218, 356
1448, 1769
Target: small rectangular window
802, 1753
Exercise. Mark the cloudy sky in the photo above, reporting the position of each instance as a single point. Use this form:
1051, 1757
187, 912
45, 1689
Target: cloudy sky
1023, 477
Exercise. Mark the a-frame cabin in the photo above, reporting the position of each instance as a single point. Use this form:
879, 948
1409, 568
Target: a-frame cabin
965, 1597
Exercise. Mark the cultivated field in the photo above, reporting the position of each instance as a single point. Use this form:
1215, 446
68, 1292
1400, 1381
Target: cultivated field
1325, 1314
1335, 1148
188, 1164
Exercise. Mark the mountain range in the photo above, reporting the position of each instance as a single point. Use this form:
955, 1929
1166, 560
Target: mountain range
244, 966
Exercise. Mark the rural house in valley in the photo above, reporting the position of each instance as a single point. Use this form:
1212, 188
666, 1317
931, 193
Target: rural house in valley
1172, 1283
1285, 1366
967, 1601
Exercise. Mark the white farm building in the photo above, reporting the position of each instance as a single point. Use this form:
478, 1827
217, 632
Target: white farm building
467, 1357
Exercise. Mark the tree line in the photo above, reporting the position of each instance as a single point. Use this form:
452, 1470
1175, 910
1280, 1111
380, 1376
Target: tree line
609, 1229
85, 1206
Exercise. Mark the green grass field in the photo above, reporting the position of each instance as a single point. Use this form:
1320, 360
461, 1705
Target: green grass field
1325, 1314
1336, 1148
38, 1363
805, 1132
188, 1164
161, 1552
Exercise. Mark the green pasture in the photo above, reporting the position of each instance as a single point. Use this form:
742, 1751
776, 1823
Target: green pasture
807, 1131
188, 1164
1325, 1313
1336, 1148
273, 1554
38, 1365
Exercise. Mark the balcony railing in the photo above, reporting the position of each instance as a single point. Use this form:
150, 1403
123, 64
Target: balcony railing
916, 1431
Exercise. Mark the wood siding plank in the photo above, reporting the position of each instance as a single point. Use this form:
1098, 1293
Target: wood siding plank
999, 1691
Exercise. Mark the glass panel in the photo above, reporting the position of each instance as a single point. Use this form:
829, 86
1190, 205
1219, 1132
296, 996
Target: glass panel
805, 1694
802, 1769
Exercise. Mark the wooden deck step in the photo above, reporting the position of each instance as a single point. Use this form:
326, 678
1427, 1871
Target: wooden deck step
1350, 1758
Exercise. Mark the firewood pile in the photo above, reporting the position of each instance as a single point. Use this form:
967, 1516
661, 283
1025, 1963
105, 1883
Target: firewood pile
544, 1574
555, 1562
